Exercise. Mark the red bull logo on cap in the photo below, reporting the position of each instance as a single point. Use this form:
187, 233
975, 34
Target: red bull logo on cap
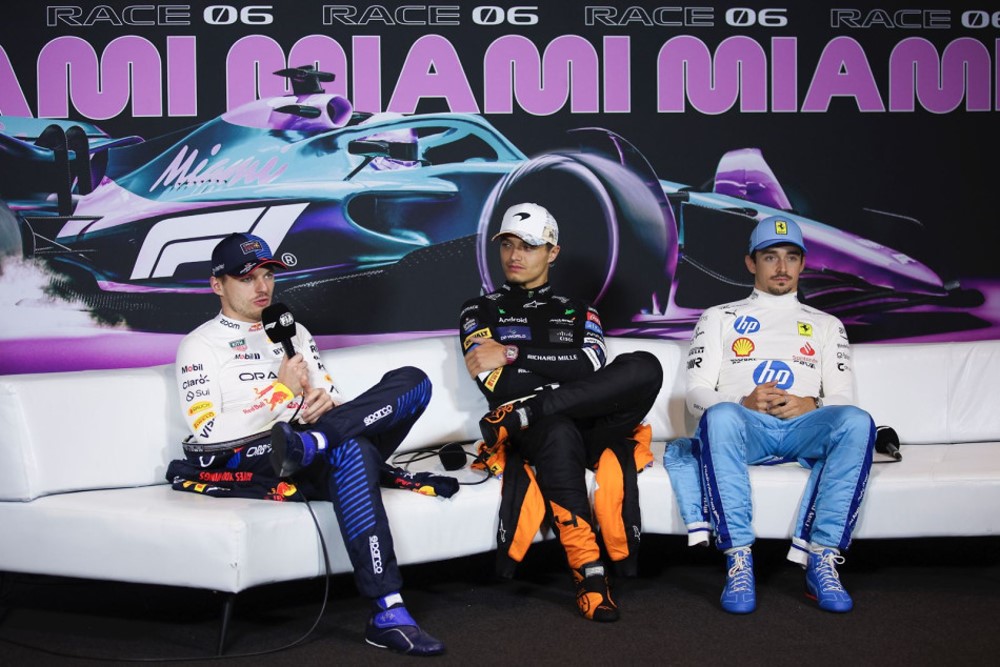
251, 247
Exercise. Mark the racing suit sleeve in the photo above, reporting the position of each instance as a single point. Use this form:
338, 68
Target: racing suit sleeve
705, 364
201, 397
837, 372
319, 376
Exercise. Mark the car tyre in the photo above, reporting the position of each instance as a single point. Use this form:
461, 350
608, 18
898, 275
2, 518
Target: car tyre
618, 243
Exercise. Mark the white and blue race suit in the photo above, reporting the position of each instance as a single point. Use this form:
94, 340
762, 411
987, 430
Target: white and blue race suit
735, 346
230, 396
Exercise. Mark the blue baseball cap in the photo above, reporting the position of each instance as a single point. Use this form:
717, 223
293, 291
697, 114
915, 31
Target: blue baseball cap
239, 254
775, 230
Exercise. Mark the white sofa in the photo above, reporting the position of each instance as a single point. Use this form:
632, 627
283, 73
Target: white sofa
83, 455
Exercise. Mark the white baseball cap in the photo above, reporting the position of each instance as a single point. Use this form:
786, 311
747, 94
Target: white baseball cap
531, 223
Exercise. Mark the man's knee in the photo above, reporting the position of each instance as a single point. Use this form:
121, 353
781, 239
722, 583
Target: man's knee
411, 376
644, 367
852, 419
724, 414
723, 427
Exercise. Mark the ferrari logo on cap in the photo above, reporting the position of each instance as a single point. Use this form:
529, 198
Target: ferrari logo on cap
780, 227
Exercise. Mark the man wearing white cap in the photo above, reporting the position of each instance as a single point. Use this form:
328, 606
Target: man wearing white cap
540, 361
771, 380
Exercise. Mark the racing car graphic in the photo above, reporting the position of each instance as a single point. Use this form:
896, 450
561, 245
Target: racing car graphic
385, 220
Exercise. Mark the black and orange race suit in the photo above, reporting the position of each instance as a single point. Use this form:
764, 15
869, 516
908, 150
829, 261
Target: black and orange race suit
586, 415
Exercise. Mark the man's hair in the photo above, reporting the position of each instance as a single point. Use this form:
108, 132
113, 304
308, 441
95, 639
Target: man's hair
793, 249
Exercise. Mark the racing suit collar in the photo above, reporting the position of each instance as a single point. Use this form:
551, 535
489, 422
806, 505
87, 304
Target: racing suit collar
790, 300
518, 292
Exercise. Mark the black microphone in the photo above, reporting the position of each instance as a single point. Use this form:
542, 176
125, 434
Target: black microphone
279, 325
887, 442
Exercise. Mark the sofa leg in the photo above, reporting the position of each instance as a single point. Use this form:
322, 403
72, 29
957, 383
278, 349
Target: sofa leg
228, 602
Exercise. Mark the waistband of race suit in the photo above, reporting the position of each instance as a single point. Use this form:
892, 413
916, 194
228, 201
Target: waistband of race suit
191, 447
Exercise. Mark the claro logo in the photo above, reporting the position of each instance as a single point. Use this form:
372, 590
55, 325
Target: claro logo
187, 384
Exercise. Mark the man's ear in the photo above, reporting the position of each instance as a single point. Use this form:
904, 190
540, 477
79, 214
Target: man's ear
216, 285
553, 253
751, 265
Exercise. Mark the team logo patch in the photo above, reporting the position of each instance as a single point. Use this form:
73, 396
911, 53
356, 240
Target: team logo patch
513, 333
807, 350
251, 247
470, 340
744, 325
774, 371
742, 347
780, 227
805, 329
200, 406
560, 335
494, 377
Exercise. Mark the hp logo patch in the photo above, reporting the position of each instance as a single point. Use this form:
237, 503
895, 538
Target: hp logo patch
774, 371
745, 324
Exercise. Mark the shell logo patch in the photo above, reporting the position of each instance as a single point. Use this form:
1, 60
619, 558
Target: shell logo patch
742, 347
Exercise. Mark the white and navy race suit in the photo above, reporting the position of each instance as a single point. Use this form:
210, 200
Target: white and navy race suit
229, 391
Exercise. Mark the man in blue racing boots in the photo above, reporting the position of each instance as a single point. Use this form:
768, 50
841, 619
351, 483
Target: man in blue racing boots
771, 380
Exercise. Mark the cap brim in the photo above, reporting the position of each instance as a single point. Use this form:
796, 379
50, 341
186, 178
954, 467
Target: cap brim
530, 240
266, 262
771, 244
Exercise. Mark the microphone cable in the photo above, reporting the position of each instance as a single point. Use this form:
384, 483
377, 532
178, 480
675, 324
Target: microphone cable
229, 656
443, 452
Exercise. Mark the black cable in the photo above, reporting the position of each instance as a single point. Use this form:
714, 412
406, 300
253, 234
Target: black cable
425, 453
231, 656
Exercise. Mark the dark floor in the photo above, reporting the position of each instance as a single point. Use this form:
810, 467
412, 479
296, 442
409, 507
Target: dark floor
917, 602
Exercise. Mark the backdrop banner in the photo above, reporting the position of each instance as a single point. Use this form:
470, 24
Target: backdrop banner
374, 147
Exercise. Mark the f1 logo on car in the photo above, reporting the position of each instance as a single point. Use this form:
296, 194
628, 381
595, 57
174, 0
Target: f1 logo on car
172, 242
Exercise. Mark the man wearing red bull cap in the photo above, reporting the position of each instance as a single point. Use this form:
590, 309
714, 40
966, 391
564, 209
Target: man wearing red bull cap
540, 360
241, 395
771, 380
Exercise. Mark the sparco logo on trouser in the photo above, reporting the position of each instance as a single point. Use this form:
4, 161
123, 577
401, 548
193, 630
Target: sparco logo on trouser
378, 414
376, 554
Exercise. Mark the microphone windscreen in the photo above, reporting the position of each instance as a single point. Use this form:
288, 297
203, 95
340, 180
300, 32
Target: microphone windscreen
279, 323
452, 456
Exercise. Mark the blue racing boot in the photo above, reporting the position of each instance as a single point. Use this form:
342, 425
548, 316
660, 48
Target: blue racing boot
823, 581
740, 595
395, 629
291, 450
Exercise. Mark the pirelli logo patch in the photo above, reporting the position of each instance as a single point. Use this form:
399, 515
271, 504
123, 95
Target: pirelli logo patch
494, 377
